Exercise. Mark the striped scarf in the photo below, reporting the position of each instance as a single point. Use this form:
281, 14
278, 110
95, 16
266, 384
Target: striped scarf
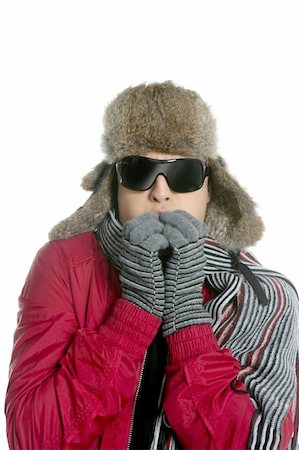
255, 315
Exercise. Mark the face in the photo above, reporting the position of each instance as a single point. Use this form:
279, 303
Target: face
161, 198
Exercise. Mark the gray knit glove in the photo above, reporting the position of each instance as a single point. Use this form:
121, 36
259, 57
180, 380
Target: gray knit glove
142, 278
184, 272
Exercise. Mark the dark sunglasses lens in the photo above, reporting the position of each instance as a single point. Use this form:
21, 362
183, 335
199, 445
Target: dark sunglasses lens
136, 173
185, 175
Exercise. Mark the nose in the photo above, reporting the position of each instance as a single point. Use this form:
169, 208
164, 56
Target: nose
160, 191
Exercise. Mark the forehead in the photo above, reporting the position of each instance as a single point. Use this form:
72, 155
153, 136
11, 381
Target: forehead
162, 156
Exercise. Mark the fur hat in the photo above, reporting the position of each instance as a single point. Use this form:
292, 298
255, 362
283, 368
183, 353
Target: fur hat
166, 118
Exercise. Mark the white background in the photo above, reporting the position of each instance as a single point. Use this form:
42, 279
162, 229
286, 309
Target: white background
63, 61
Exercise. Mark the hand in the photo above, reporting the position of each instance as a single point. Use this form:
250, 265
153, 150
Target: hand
142, 278
184, 272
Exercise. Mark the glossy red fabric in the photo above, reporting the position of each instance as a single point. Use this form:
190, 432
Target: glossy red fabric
77, 358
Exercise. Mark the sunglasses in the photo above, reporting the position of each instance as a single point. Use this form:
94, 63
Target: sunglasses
182, 175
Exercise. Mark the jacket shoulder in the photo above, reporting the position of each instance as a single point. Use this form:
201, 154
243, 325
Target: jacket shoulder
55, 261
74, 250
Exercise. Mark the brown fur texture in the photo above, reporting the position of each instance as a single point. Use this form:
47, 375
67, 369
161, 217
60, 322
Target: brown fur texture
159, 117
166, 118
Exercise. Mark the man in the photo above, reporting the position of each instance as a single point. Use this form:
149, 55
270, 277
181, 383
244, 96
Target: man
142, 324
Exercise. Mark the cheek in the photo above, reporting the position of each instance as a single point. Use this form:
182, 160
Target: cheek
124, 210
196, 203
203, 200
130, 204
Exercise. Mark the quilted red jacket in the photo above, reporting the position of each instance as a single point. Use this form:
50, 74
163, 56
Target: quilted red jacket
77, 360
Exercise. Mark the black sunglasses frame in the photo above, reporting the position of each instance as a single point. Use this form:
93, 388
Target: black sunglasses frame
179, 181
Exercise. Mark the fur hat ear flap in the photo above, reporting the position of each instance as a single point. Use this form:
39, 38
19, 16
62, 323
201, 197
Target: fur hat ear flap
94, 209
93, 180
231, 217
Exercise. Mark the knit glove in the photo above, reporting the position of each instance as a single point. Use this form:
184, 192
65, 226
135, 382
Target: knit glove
184, 272
142, 278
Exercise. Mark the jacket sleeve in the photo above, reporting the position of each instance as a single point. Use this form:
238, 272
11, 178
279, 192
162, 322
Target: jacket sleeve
200, 403
204, 402
66, 383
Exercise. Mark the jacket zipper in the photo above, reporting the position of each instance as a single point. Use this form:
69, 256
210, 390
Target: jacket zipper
135, 401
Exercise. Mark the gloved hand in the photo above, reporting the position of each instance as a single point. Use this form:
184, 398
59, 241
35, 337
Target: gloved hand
184, 272
142, 278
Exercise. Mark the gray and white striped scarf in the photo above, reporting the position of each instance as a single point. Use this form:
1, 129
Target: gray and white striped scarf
263, 337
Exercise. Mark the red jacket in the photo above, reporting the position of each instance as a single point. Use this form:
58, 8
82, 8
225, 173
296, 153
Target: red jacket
77, 359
